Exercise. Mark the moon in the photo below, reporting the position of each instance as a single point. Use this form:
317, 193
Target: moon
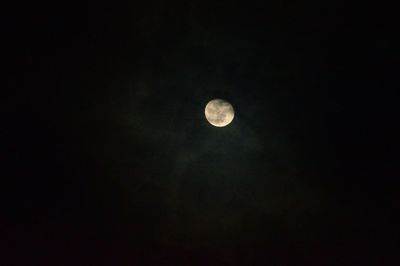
219, 112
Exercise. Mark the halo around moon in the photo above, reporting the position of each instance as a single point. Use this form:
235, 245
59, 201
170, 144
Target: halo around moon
219, 113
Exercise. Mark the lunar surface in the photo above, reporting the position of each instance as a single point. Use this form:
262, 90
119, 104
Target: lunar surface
219, 113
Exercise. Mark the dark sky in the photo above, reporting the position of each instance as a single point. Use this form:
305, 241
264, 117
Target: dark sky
108, 158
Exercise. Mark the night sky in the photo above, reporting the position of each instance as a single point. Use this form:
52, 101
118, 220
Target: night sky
109, 160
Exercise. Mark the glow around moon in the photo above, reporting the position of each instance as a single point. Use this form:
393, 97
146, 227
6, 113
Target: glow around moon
219, 113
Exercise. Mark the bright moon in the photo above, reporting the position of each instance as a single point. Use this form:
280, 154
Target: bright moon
219, 112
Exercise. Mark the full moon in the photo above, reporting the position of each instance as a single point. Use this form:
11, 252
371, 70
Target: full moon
219, 113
